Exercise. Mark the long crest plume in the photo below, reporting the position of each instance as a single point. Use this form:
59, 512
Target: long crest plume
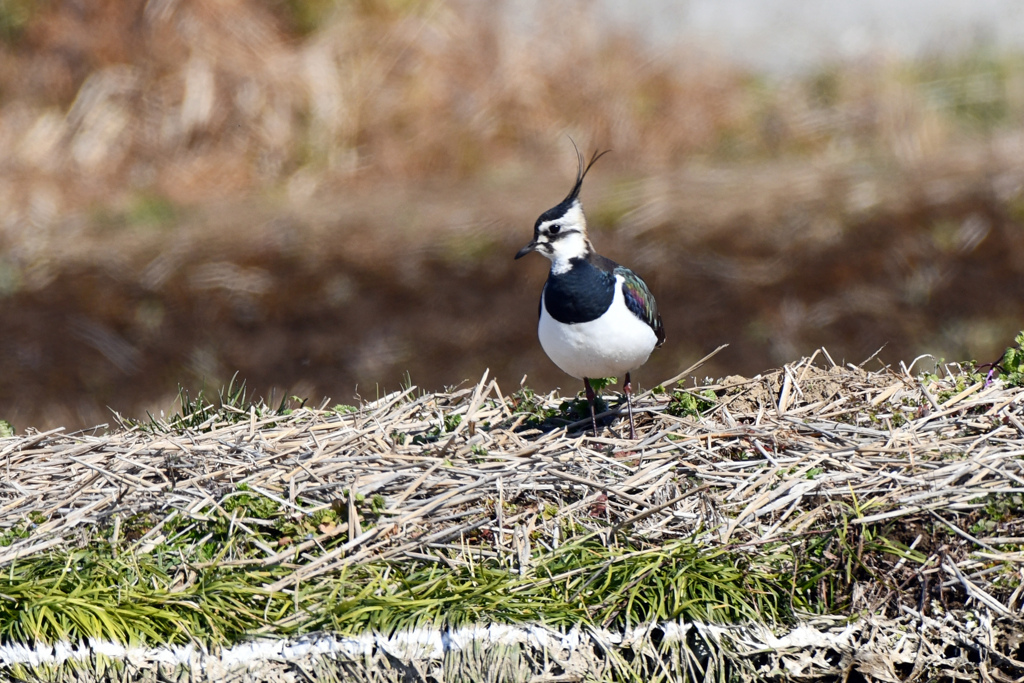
581, 172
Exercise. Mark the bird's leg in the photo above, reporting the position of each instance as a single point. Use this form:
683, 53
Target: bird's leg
590, 399
627, 388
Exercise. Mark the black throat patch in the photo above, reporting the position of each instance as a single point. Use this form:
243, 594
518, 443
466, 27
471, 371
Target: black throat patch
579, 295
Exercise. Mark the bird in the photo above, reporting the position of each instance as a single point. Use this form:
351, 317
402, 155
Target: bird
596, 318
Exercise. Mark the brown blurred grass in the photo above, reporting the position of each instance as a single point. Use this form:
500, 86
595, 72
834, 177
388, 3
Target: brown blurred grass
326, 194
190, 100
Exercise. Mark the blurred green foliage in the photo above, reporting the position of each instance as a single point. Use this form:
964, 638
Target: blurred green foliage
1013, 362
151, 210
686, 404
976, 91
305, 16
14, 17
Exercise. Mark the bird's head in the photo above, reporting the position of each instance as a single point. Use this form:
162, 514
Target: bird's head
560, 233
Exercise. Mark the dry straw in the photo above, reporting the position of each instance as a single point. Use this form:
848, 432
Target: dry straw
873, 516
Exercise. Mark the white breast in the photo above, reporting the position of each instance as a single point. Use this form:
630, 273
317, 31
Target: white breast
610, 346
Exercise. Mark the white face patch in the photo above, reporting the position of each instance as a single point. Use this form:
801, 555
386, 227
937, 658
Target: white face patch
567, 247
574, 217
569, 242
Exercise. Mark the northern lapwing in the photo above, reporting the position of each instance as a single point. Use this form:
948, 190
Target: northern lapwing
597, 318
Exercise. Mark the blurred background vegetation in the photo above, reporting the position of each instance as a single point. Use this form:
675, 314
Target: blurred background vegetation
325, 195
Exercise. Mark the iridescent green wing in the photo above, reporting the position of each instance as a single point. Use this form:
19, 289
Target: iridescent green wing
640, 301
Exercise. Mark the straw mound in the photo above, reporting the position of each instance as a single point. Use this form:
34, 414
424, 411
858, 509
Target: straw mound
918, 478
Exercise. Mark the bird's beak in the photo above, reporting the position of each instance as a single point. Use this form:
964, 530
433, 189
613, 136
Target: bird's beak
532, 246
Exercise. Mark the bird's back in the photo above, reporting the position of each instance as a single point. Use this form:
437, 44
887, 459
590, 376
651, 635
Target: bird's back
640, 301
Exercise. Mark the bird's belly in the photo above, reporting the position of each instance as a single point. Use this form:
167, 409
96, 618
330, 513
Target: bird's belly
609, 346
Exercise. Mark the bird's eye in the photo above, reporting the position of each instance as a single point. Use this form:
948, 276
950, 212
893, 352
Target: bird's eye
553, 230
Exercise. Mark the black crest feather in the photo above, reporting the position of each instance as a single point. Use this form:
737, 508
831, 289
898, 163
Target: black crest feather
581, 172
